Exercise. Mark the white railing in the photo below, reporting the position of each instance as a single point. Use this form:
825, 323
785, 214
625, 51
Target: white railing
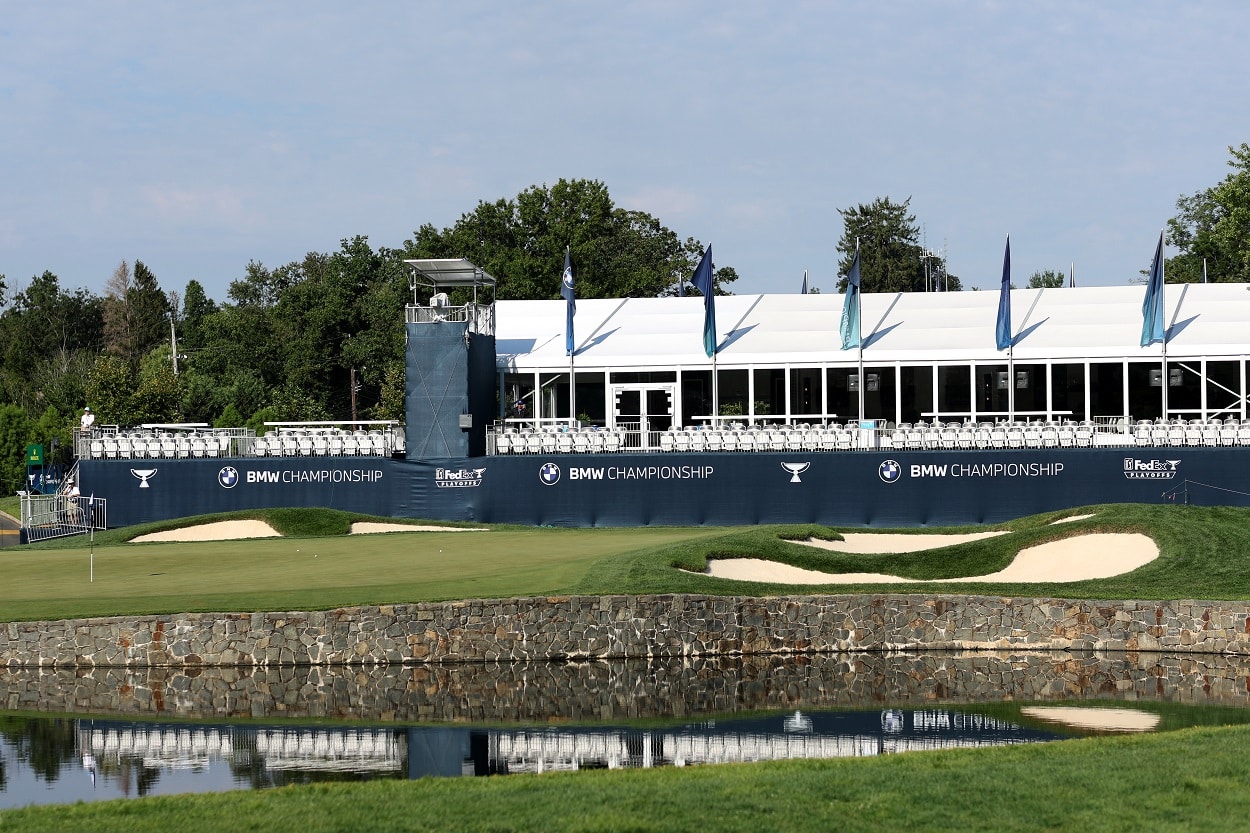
923, 436
56, 516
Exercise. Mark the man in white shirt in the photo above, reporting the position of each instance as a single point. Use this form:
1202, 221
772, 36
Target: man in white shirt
87, 420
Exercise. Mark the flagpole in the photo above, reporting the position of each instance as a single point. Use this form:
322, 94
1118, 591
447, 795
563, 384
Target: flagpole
859, 337
715, 374
1163, 311
569, 292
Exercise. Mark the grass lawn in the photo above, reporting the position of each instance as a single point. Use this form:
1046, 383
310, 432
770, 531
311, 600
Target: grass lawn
1188, 780
1204, 554
306, 573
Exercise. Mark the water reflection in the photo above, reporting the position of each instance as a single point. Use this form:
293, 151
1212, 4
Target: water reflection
494, 718
92, 759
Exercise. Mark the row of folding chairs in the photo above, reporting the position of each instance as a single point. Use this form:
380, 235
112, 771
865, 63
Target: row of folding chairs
781, 438
321, 444
157, 446
577, 441
989, 436
1194, 432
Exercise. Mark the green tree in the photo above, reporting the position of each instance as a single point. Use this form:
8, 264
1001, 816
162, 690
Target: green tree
391, 401
47, 338
1213, 227
891, 258
15, 432
136, 312
109, 388
616, 253
1047, 279
230, 418
158, 394
196, 307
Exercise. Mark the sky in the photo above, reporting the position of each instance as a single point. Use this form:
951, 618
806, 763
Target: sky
197, 137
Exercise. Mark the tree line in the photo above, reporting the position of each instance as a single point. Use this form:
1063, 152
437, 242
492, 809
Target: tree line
288, 343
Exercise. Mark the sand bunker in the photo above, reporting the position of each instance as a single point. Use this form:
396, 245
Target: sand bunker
368, 527
1069, 520
220, 531
1102, 720
1073, 559
235, 530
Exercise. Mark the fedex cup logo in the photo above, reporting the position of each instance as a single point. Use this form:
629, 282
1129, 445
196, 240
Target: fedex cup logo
795, 470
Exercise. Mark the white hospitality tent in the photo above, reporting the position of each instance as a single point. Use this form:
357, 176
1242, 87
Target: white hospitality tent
1076, 354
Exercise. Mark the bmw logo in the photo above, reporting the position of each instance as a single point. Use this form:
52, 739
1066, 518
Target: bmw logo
228, 477
549, 474
889, 471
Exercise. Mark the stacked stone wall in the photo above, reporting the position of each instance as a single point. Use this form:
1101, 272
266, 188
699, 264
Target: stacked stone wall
627, 627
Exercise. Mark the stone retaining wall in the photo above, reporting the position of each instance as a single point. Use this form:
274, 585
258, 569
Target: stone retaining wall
594, 627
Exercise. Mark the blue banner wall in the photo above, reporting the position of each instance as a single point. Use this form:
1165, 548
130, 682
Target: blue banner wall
139, 491
841, 489
885, 489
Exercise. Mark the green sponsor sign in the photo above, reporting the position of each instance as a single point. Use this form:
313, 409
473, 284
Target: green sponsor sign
34, 454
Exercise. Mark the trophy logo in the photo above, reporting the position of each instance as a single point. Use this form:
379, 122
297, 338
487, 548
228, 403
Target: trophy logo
144, 476
795, 470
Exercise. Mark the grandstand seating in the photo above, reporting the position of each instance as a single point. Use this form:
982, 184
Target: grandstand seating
333, 441
834, 437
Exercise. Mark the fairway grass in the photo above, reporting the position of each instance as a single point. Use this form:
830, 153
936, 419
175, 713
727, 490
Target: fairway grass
309, 573
1188, 780
1204, 553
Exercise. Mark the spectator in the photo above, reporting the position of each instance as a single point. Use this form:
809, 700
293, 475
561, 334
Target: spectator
73, 508
87, 420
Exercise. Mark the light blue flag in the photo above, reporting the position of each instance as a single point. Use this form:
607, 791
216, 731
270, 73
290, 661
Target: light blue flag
1152, 306
850, 306
702, 281
566, 290
1002, 332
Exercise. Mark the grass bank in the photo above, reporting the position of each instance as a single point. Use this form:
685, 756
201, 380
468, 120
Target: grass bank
1187, 780
1204, 554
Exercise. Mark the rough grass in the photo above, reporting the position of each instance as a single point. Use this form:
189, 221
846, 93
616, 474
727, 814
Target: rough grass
1188, 780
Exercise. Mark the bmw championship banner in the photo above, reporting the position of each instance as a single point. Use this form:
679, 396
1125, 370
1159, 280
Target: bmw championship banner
894, 488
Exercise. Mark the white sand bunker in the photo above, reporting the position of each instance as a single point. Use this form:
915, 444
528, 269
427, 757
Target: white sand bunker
1073, 559
1070, 519
1102, 720
369, 527
220, 531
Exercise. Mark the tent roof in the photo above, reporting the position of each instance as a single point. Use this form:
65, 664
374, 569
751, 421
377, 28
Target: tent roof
449, 272
1063, 324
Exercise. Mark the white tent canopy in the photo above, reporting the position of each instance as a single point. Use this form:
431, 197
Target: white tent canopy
1203, 320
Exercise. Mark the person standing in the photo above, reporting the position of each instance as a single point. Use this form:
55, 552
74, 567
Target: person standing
88, 419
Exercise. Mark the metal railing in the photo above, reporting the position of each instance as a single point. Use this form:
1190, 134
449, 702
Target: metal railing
57, 516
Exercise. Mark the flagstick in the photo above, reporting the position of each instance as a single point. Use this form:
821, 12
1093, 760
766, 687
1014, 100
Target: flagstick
572, 392
859, 337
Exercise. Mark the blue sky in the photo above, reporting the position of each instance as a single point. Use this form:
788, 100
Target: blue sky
197, 137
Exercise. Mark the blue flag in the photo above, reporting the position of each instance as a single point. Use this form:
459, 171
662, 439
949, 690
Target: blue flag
1152, 306
1002, 332
850, 307
566, 290
702, 281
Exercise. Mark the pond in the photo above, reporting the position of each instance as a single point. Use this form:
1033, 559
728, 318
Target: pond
109, 732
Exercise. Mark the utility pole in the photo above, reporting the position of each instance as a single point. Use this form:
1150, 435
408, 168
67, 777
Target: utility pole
355, 388
173, 343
